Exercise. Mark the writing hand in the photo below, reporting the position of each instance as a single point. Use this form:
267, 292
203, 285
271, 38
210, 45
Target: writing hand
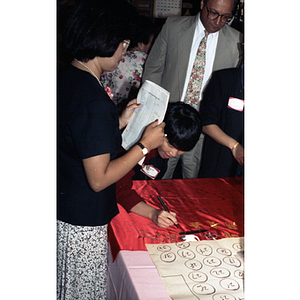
164, 219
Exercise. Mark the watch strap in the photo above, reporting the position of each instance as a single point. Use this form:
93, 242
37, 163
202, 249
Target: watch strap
144, 149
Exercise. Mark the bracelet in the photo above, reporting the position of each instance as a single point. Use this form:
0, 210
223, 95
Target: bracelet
234, 146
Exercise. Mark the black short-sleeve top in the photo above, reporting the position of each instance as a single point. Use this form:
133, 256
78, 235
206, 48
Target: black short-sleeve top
88, 125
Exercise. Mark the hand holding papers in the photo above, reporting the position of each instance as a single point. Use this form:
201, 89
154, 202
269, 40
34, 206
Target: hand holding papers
154, 101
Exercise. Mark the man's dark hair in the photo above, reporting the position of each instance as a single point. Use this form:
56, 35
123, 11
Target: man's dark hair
183, 126
97, 27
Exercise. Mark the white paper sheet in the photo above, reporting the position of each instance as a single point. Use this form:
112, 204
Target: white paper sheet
154, 101
201, 270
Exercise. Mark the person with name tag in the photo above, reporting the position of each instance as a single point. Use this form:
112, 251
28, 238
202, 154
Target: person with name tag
222, 113
182, 131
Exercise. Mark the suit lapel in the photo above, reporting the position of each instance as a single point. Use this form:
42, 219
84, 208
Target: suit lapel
223, 51
219, 49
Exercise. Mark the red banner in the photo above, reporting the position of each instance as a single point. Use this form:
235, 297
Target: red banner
213, 204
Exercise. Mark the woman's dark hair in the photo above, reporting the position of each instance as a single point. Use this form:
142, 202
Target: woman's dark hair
183, 126
142, 31
97, 27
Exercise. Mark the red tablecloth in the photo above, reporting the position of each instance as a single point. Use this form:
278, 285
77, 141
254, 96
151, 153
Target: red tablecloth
215, 204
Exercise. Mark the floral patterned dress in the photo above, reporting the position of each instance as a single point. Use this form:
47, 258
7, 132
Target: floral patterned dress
127, 75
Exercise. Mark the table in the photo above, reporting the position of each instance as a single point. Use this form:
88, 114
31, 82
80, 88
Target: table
134, 276
214, 204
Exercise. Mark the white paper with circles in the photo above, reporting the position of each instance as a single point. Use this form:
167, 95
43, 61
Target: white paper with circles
209, 269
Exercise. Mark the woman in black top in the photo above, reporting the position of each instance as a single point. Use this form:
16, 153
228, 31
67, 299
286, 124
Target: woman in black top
222, 112
88, 142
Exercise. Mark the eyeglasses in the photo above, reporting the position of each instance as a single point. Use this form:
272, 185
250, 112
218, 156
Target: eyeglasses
213, 15
125, 45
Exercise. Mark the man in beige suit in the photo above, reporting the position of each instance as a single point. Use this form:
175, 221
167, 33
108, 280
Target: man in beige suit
171, 59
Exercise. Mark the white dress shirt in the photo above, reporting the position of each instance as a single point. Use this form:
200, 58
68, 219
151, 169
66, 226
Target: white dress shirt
211, 47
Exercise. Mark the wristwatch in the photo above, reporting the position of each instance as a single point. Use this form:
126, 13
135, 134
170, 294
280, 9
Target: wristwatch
144, 149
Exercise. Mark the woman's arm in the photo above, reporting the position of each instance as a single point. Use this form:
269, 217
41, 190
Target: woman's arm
101, 172
217, 134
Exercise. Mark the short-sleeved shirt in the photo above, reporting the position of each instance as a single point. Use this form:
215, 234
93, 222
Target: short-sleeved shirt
88, 125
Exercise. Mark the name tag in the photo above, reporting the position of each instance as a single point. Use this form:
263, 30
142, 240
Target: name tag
150, 171
236, 104
141, 162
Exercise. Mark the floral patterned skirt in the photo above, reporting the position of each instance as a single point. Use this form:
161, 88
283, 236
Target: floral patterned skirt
81, 262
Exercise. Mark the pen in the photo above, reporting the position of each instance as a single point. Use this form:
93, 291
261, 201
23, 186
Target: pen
192, 231
164, 206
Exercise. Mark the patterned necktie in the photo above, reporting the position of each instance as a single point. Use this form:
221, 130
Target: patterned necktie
194, 86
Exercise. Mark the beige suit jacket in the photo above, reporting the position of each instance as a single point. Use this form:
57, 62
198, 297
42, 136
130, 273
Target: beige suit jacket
168, 59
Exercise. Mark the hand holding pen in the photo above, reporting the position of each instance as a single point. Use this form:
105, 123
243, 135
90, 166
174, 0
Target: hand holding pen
167, 216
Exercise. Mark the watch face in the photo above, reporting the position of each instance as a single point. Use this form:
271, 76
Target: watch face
145, 151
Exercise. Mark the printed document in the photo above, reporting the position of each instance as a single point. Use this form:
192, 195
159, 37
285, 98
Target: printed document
154, 101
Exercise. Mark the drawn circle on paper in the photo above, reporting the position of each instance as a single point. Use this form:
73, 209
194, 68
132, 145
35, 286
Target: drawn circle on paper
203, 289
239, 274
183, 245
198, 276
229, 284
168, 257
204, 250
232, 261
224, 251
212, 261
220, 272
186, 253
238, 246
223, 296
193, 264
164, 248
